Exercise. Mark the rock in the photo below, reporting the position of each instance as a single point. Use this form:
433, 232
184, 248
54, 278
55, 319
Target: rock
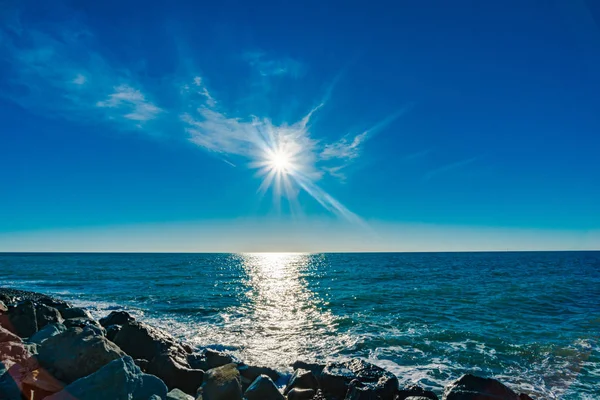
116, 318
22, 319
140, 340
3, 307
111, 331
356, 391
263, 388
336, 377
13, 353
316, 369
75, 312
221, 383
9, 389
417, 398
249, 373
177, 394
216, 359
471, 387
300, 394
415, 391
175, 374
143, 364
524, 396
8, 336
40, 383
46, 315
47, 332
83, 322
76, 353
119, 379
302, 379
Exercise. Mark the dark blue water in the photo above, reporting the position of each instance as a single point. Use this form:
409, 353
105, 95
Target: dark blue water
531, 320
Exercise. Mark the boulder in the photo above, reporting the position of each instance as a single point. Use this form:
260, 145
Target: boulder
116, 318
3, 307
21, 319
316, 369
47, 332
111, 331
415, 391
75, 312
8, 336
471, 387
40, 384
83, 322
46, 315
13, 352
216, 358
263, 388
143, 364
175, 374
140, 340
336, 377
221, 383
119, 379
300, 394
177, 394
9, 389
249, 373
302, 379
524, 396
76, 353
417, 398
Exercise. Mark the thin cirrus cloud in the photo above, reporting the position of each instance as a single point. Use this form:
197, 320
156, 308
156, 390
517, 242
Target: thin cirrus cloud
132, 104
267, 66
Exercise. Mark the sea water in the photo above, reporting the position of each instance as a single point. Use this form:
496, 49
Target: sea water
531, 320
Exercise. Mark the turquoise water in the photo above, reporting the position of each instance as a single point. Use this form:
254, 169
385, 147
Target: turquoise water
531, 320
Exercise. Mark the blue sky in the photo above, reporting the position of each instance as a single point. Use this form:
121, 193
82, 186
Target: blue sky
305, 126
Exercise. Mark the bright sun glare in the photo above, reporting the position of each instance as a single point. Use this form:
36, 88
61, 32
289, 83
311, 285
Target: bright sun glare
280, 162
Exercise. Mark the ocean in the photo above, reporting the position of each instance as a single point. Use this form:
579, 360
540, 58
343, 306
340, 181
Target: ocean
531, 320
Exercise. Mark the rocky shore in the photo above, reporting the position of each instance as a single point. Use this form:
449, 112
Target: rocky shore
51, 350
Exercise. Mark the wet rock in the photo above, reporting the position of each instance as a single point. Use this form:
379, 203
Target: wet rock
216, 358
76, 353
8, 336
300, 394
75, 312
116, 318
47, 332
46, 315
9, 390
302, 379
524, 396
415, 391
417, 398
21, 319
249, 373
263, 388
111, 331
221, 383
119, 379
177, 394
82, 322
336, 377
3, 307
143, 364
175, 374
356, 391
471, 387
140, 340
316, 369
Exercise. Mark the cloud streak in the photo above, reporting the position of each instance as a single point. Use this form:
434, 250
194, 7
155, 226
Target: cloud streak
449, 167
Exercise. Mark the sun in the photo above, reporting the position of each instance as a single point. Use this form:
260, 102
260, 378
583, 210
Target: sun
280, 162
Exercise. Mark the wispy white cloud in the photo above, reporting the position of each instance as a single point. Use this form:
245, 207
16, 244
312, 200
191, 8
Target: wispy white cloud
131, 104
79, 79
267, 66
344, 148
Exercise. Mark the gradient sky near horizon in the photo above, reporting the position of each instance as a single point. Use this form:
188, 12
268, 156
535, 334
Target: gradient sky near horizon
299, 126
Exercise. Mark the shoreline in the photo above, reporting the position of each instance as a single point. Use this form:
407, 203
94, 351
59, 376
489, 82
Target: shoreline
53, 350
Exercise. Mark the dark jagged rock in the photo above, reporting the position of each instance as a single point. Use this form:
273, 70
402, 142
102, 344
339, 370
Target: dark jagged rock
524, 396
471, 387
111, 332
13, 296
47, 332
263, 388
417, 398
302, 379
221, 383
8, 336
92, 353
13, 353
316, 369
119, 379
75, 312
249, 373
415, 391
83, 322
336, 377
143, 364
301, 394
46, 315
140, 340
116, 318
174, 374
356, 391
216, 359
21, 319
